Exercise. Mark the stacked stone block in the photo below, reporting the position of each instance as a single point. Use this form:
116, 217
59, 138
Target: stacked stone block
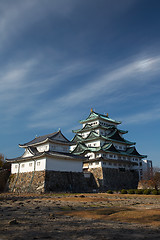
114, 179
50, 181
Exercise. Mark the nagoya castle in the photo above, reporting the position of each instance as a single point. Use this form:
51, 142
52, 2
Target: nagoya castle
113, 160
98, 157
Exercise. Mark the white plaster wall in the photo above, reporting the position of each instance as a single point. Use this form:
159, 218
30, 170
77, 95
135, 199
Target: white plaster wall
94, 144
146, 165
120, 146
97, 130
85, 134
72, 147
63, 165
40, 164
27, 153
91, 155
105, 123
95, 164
58, 147
109, 165
14, 167
28, 166
92, 122
53, 147
43, 147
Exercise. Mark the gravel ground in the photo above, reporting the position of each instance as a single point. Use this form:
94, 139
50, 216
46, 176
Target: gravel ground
41, 217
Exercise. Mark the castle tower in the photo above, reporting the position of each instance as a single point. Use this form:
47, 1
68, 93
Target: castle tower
104, 145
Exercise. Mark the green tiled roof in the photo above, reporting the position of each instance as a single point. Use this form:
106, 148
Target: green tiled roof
88, 127
114, 137
93, 116
133, 151
81, 148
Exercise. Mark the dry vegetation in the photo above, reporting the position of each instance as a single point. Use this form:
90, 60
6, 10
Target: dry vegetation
79, 216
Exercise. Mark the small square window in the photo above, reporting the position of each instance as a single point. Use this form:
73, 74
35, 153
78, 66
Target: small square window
38, 163
30, 164
23, 165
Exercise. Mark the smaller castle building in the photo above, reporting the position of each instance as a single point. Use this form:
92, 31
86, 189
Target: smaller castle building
46, 165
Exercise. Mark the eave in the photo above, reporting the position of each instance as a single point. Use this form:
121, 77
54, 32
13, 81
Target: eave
45, 141
94, 116
59, 155
111, 160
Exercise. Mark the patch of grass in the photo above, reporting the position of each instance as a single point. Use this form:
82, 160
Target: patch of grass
123, 191
143, 216
110, 192
139, 191
154, 192
147, 191
131, 191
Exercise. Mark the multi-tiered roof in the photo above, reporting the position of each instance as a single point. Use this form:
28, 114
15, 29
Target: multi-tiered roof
100, 129
50, 142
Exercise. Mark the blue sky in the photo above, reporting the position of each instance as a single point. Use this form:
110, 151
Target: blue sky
59, 58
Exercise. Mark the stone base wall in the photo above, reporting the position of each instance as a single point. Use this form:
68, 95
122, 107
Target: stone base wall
27, 182
114, 179
65, 181
98, 176
53, 181
50, 181
4, 174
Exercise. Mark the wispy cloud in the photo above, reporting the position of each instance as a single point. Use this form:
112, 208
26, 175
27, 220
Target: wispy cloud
128, 75
24, 83
143, 117
18, 16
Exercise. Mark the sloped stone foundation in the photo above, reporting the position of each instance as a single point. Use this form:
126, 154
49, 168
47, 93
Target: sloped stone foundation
50, 181
27, 182
101, 179
115, 179
65, 181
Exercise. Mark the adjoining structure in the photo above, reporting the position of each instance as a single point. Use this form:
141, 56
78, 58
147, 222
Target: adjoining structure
147, 170
47, 165
113, 160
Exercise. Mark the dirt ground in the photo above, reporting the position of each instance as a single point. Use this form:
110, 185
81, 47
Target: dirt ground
79, 216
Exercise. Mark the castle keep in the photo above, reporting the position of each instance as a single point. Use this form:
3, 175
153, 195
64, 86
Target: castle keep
113, 160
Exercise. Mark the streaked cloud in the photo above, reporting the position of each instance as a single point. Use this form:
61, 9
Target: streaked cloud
104, 84
143, 117
18, 16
